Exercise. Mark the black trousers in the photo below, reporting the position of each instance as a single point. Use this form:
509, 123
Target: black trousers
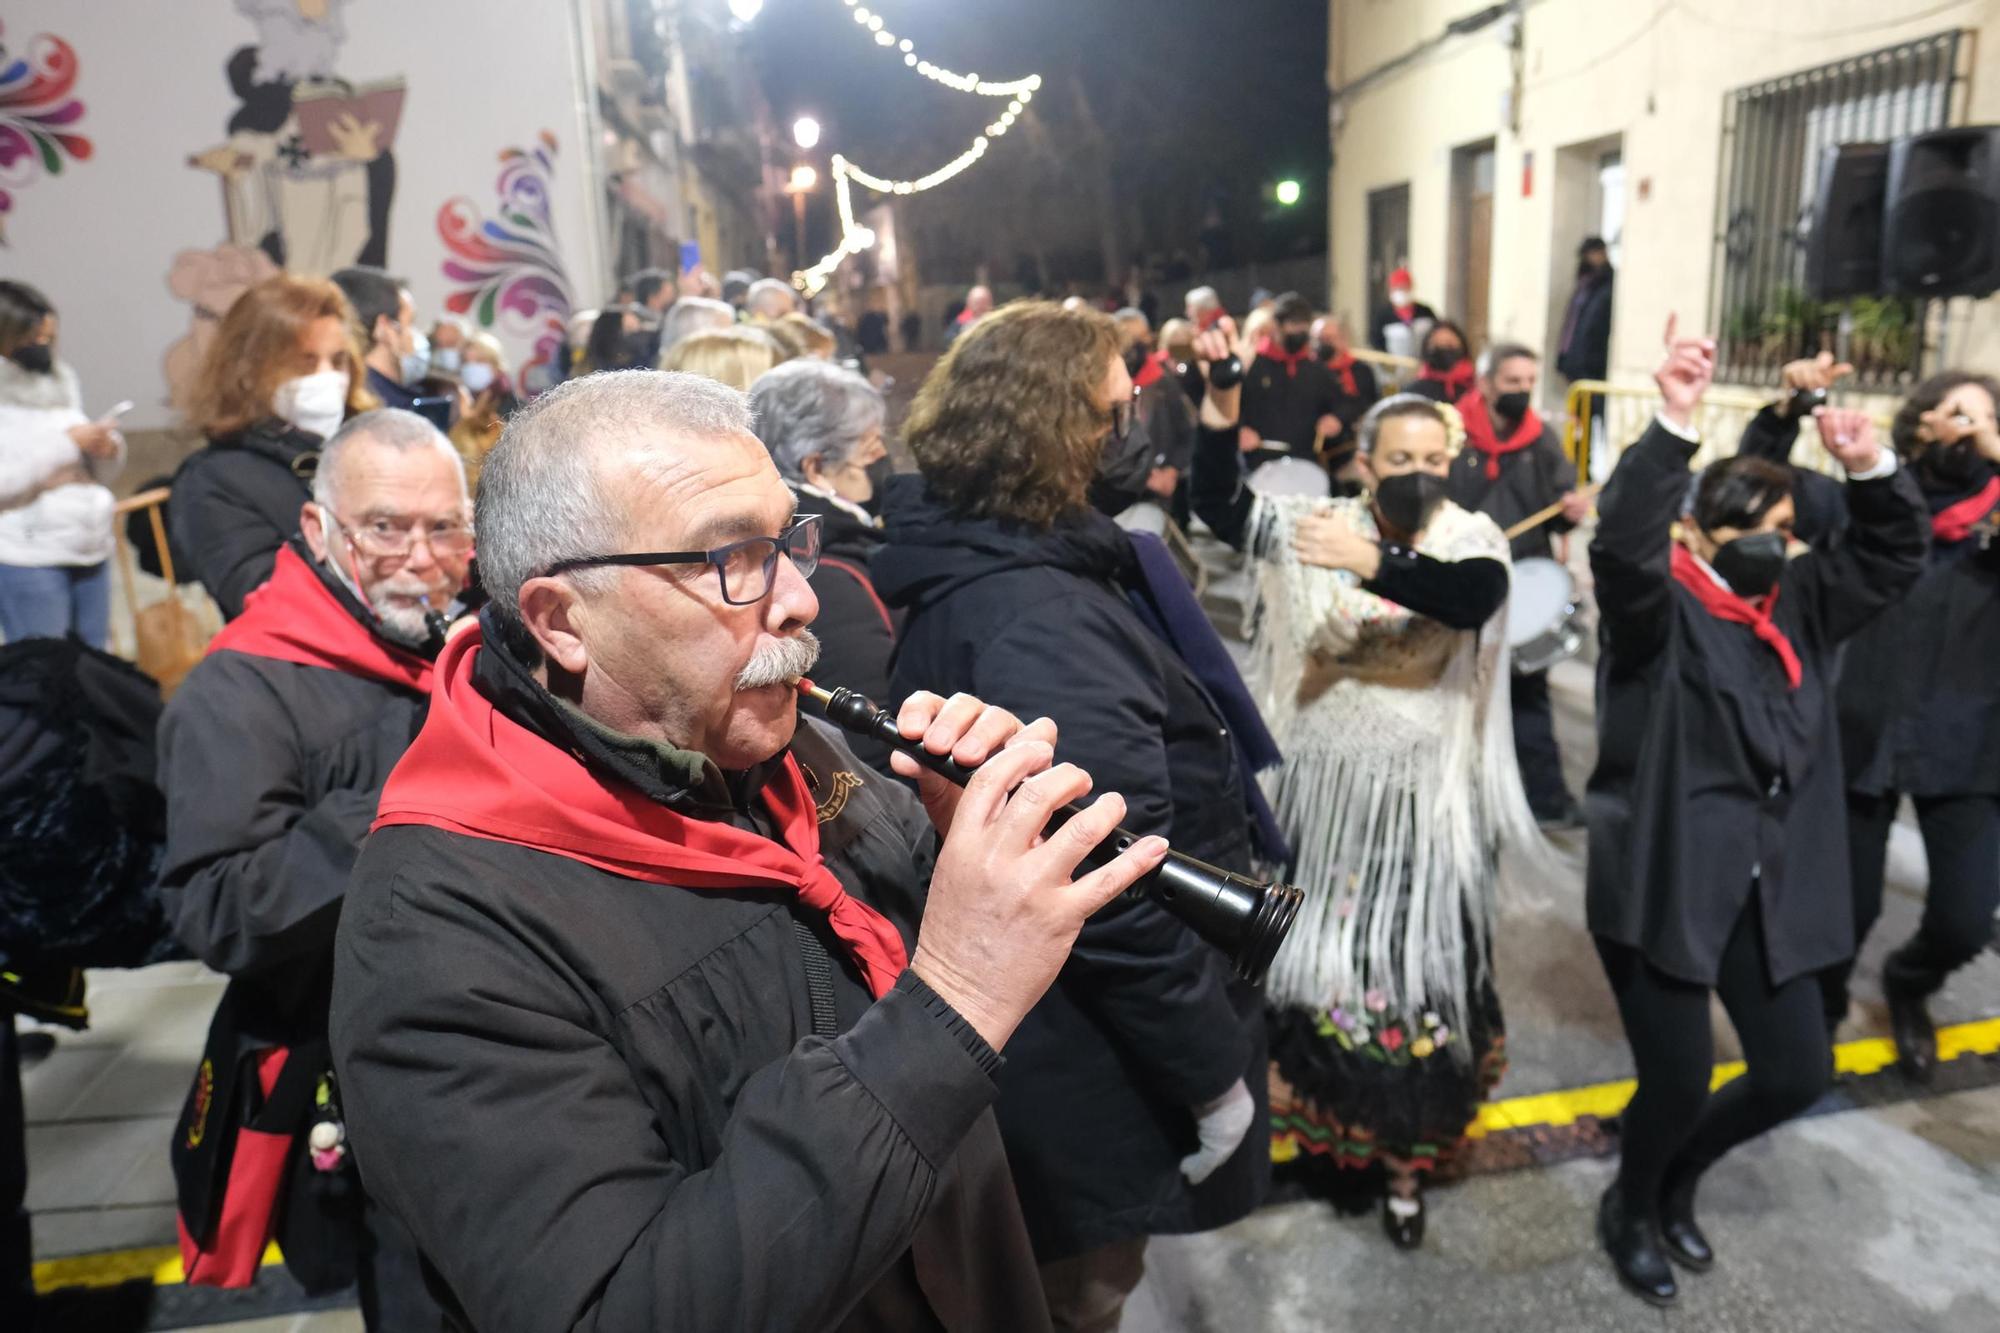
1674, 1128
1535, 746
1962, 844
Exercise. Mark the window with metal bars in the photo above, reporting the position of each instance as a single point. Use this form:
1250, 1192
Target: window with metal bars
1774, 136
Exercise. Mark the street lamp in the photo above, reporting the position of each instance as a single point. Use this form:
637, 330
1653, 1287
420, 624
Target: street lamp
1288, 192
805, 132
804, 178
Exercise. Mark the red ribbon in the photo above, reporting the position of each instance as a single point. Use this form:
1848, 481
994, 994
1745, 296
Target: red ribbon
1954, 523
1723, 604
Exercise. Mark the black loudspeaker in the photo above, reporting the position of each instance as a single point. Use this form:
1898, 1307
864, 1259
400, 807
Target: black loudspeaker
1941, 230
1844, 245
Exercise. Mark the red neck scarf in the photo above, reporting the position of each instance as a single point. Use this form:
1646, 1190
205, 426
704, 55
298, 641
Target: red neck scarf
474, 771
1954, 523
294, 617
1723, 604
1273, 350
1405, 313
1207, 319
1342, 364
1151, 371
1457, 381
1479, 432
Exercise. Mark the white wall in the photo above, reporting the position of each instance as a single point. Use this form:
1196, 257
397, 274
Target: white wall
102, 238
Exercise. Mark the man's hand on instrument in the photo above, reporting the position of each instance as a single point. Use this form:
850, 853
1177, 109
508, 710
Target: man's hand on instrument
970, 731
1685, 374
1849, 435
1576, 506
1327, 541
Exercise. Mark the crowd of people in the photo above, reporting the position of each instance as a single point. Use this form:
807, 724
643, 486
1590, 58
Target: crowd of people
554, 928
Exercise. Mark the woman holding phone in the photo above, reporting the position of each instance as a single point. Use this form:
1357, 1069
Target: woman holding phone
55, 513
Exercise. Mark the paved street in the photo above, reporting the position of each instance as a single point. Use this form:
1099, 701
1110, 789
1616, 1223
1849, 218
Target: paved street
1863, 1220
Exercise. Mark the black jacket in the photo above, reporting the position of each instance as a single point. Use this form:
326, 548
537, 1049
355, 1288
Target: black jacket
272, 772
1714, 779
1530, 480
1351, 407
604, 1104
1818, 500
235, 503
1283, 404
1170, 422
1588, 355
1145, 1020
856, 631
1919, 694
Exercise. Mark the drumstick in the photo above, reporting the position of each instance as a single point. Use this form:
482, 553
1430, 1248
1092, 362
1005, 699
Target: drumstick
1541, 516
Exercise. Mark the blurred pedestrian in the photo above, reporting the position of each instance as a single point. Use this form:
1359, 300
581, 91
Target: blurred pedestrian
1447, 373
484, 377
55, 463
692, 315
281, 375
734, 356
1354, 378
978, 304
1399, 326
1583, 346
1289, 397
447, 343
1165, 410
395, 350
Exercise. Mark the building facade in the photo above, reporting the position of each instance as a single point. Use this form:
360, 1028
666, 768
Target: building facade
1479, 144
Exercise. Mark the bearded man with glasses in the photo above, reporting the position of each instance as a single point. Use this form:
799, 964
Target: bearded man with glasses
654, 1007
272, 755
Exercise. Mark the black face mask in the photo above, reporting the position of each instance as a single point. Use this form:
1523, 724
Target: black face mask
35, 358
1511, 406
1122, 470
1135, 357
1444, 358
1951, 467
1325, 351
1296, 342
1752, 563
1407, 501
879, 473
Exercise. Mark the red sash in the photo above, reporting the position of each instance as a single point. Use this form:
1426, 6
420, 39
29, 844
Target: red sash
472, 770
1723, 604
1480, 435
1457, 381
1151, 371
1954, 523
1289, 360
1343, 366
294, 617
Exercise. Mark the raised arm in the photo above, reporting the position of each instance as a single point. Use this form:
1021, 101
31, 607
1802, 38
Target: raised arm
1216, 491
1851, 581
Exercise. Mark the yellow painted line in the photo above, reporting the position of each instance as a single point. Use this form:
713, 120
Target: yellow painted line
1867, 1056
159, 1264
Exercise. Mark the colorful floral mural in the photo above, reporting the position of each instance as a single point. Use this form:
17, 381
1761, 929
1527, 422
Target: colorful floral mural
36, 111
505, 270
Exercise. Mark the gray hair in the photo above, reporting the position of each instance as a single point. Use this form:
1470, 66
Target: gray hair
1132, 314
1499, 354
1202, 298
771, 287
1399, 405
808, 407
390, 426
543, 497
694, 314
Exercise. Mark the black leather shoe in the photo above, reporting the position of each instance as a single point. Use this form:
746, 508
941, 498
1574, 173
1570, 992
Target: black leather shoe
1634, 1246
1406, 1232
1916, 1037
1683, 1240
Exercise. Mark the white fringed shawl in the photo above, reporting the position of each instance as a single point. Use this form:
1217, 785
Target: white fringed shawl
1399, 780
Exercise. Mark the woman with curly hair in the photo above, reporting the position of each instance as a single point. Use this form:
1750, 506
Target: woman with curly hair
1919, 708
1130, 1091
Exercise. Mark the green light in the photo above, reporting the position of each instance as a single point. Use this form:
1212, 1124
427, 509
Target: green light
1288, 192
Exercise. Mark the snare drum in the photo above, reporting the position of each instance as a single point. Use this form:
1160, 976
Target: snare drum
1542, 627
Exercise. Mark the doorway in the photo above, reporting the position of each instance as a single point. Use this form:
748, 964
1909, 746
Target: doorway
1388, 250
1470, 281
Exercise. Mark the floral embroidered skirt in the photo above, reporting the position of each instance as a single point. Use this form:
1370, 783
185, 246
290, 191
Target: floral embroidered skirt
1354, 1093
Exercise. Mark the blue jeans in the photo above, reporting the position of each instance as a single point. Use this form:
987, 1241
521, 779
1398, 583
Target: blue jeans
50, 601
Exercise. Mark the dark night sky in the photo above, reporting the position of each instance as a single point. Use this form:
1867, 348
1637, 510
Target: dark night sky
1246, 76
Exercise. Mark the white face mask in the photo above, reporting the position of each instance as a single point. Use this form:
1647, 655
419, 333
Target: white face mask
476, 376
417, 363
313, 403
446, 360
1399, 297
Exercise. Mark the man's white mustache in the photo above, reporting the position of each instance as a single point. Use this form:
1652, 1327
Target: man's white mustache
781, 663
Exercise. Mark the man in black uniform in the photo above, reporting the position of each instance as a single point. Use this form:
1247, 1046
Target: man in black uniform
1513, 467
1289, 397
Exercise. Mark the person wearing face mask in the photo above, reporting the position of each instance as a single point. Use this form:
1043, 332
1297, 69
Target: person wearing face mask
1515, 467
55, 510
823, 427
273, 753
1404, 313
1718, 828
280, 377
396, 352
1291, 400
1447, 373
1355, 378
483, 376
448, 339
1583, 347
1132, 1091
1919, 708
1380, 655
1164, 412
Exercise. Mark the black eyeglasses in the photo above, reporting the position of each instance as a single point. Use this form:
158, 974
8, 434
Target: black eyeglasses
744, 568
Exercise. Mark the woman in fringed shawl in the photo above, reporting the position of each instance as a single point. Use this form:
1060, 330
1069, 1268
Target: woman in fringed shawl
1382, 663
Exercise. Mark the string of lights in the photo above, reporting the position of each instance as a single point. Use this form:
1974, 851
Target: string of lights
965, 83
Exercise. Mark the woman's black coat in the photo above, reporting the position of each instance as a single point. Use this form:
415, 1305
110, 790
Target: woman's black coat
1713, 776
235, 503
856, 631
1145, 1020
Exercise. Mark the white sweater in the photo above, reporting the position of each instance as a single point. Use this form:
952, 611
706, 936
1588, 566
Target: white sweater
60, 525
